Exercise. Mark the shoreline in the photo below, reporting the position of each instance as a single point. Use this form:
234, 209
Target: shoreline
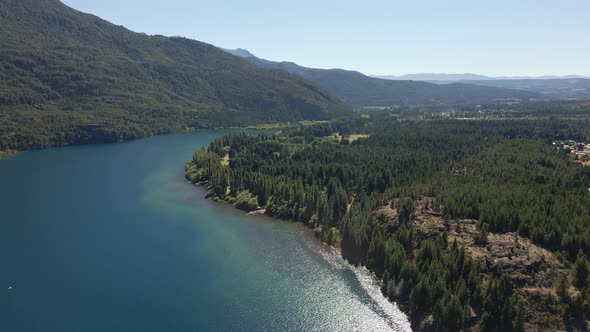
411, 316
360, 271
261, 212
5, 154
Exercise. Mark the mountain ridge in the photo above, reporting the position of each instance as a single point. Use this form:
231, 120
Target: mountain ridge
359, 90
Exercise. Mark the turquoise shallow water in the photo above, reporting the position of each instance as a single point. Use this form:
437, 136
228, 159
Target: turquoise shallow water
112, 238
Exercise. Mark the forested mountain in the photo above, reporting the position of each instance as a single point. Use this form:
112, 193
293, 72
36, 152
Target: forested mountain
69, 77
357, 89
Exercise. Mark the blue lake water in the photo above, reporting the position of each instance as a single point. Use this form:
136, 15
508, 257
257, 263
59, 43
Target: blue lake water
112, 238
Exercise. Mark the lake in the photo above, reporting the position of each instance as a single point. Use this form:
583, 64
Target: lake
112, 238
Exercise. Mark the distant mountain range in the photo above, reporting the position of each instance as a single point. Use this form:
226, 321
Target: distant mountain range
552, 87
357, 89
469, 77
564, 88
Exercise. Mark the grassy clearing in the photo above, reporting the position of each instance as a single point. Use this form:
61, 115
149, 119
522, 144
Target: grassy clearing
351, 138
354, 137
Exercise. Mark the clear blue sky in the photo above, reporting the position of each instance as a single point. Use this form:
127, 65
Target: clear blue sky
499, 37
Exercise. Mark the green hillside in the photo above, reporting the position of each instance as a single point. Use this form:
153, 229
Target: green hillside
67, 77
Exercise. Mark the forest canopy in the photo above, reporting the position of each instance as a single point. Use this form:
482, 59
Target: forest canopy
506, 175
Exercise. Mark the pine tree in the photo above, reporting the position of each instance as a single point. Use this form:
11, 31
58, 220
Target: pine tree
581, 271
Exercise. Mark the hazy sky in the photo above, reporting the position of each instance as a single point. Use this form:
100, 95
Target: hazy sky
499, 37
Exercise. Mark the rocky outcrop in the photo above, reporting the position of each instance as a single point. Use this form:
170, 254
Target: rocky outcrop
534, 270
